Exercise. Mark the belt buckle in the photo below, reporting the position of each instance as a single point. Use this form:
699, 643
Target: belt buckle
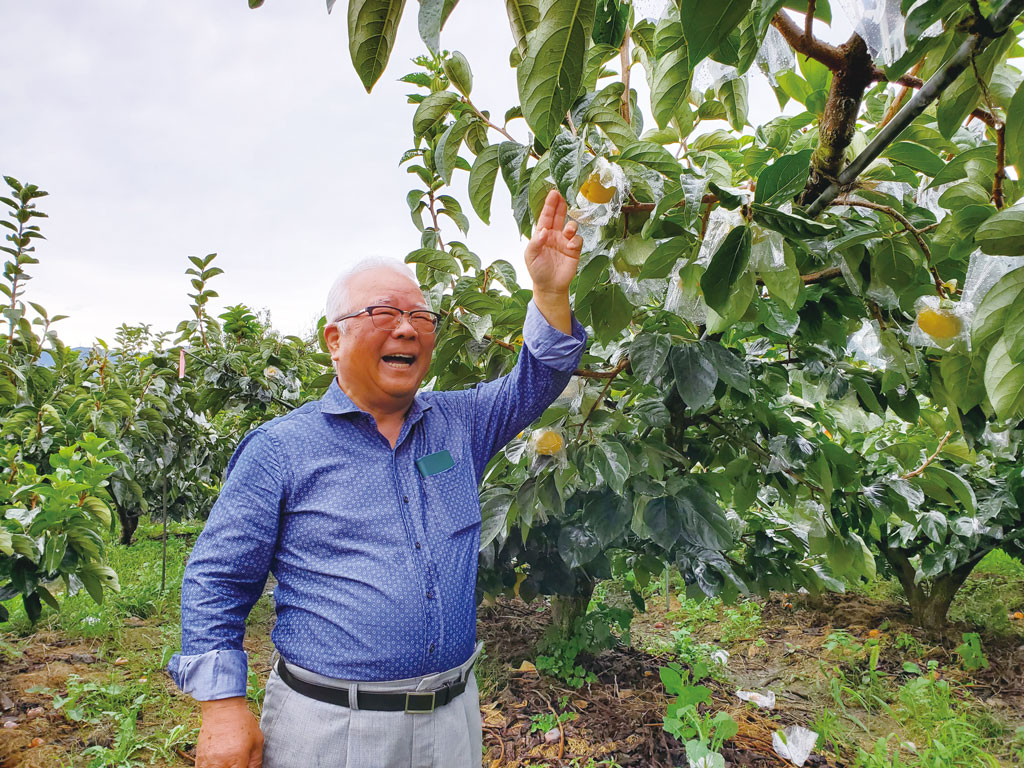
410, 702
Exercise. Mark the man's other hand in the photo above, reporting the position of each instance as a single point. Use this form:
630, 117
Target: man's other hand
552, 256
553, 252
230, 736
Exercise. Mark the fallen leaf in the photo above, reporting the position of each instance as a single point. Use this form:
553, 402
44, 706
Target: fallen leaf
37, 742
35, 712
120, 661
5, 701
552, 736
526, 666
1018, 615
581, 703
659, 625
135, 621
10, 724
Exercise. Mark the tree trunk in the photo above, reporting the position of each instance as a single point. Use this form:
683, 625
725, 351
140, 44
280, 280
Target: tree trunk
838, 121
566, 609
129, 522
930, 599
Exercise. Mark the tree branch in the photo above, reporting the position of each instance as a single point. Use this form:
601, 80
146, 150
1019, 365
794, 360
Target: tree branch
893, 213
624, 63
604, 391
808, 45
997, 183
930, 459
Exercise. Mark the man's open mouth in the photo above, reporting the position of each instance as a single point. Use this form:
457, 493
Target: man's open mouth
399, 361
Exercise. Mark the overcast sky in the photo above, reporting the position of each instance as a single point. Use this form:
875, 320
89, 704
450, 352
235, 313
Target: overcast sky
175, 129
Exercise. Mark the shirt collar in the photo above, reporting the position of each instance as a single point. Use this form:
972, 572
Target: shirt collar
336, 401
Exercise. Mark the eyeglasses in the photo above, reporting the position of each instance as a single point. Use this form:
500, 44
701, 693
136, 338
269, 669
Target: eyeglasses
388, 318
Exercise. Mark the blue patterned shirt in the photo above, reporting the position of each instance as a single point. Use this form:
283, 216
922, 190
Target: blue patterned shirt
375, 560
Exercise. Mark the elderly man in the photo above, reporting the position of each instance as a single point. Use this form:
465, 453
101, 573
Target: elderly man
364, 505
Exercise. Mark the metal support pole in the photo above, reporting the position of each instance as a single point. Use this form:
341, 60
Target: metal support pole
998, 23
163, 565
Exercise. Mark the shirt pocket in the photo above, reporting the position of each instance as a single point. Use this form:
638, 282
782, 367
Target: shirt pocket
452, 499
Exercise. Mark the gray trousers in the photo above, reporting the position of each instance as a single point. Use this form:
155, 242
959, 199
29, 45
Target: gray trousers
300, 732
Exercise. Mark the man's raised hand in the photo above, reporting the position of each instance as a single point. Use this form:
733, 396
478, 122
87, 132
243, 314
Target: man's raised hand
553, 253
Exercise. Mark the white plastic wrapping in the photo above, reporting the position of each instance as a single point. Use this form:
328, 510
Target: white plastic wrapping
865, 344
547, 443
929, 198
795, 744
711, 74
774, 55
587, 212
763, 700
685, 300
940, 323
767, 252
720, 223
983, 272
650, 10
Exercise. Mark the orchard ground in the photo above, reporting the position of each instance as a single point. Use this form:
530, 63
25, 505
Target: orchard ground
85, 687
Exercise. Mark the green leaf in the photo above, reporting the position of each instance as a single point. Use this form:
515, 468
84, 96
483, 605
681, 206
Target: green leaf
433, 15
481, 182
1004, 382
372, 25
704, 522
1015, 130
983, 157
653, 156
434, 259
612, 463
706, 25
695, 374
567, 159
1003, 233
791, 225
997, 308
459, 73
610, 22
662, 518
963, 377
615, 313
731, 369
659, 264
523, 16
733, 96
916, 157
447, 153
578, 545
958, 99
432, 110
647, 354
727, 264
784, 284
550, 74
670, 76
784, 179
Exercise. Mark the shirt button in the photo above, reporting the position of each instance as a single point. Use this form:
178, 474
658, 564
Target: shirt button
417, 545
431, 648
430, 595
405, 499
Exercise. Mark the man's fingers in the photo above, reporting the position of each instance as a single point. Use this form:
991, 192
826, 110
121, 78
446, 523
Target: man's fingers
576, 246
570, 229
547, 217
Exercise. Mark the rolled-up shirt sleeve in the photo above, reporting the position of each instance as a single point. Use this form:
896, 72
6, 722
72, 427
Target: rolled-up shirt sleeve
227, 571
503, 407
549, 345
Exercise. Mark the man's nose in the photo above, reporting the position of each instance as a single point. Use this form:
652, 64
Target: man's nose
405, 328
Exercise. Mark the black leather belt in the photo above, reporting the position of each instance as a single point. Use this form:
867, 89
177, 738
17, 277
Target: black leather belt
413, 702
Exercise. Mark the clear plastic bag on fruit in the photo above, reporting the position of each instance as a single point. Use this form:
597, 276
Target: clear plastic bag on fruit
774, 55
865, 344
601, 195
767, 252
880, 23
683, 296
711, 74
546, 444
940, 322
650, 10
720, 223
929, 198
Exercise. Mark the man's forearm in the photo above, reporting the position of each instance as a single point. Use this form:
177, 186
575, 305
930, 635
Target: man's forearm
555, 308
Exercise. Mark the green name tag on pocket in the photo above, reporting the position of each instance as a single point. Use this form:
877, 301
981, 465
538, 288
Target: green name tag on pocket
433, 463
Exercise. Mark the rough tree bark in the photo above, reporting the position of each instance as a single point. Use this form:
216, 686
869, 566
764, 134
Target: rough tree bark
838, 122
930, 599
566, 609
129, 522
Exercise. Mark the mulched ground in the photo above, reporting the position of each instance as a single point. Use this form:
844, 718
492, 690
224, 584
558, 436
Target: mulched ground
618, 717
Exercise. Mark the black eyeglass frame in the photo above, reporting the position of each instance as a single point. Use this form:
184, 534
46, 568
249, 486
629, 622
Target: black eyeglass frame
401, 313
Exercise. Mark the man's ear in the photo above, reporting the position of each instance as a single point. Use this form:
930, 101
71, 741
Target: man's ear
332, 336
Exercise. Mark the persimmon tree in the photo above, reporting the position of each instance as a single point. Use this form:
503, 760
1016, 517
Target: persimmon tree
807, 355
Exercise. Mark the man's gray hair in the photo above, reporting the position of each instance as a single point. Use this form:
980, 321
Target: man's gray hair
338, 301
